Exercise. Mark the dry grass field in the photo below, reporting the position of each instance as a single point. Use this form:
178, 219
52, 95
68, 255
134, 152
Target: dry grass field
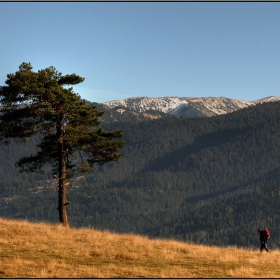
38, 250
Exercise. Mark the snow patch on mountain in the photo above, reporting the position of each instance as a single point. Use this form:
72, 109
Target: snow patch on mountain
179, 109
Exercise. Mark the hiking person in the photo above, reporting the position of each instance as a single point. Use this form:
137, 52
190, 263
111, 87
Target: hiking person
263, 238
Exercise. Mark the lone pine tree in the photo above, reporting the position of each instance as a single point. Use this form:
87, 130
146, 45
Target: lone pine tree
72, 140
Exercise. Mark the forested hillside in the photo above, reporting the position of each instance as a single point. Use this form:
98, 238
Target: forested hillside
205, 180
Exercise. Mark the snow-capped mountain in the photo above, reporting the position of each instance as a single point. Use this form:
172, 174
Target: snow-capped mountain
184, 106
142, 104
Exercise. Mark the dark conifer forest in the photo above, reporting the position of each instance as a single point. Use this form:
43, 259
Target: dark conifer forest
203, 180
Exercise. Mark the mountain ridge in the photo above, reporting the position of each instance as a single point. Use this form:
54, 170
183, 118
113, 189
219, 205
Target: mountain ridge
184, 106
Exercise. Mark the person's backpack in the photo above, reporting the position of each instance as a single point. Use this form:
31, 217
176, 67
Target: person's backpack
267, 233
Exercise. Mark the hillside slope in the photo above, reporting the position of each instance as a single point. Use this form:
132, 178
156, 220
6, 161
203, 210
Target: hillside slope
203, 180
50, 251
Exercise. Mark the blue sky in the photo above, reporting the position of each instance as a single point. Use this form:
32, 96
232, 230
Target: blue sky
154, 49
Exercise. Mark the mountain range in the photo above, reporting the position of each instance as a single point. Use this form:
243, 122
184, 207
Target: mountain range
181, 106
211, 179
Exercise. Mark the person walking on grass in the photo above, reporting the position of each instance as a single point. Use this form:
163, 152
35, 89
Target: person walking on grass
263, 238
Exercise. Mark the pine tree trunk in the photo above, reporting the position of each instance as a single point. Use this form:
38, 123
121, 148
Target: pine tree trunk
62, 171
62, 195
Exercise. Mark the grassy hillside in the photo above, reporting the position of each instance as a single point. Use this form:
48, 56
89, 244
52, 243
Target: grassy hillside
50, 251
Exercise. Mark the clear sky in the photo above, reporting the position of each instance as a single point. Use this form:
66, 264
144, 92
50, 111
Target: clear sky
154, 49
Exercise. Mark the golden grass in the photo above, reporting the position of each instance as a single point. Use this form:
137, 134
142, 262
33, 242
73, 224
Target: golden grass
38, 250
